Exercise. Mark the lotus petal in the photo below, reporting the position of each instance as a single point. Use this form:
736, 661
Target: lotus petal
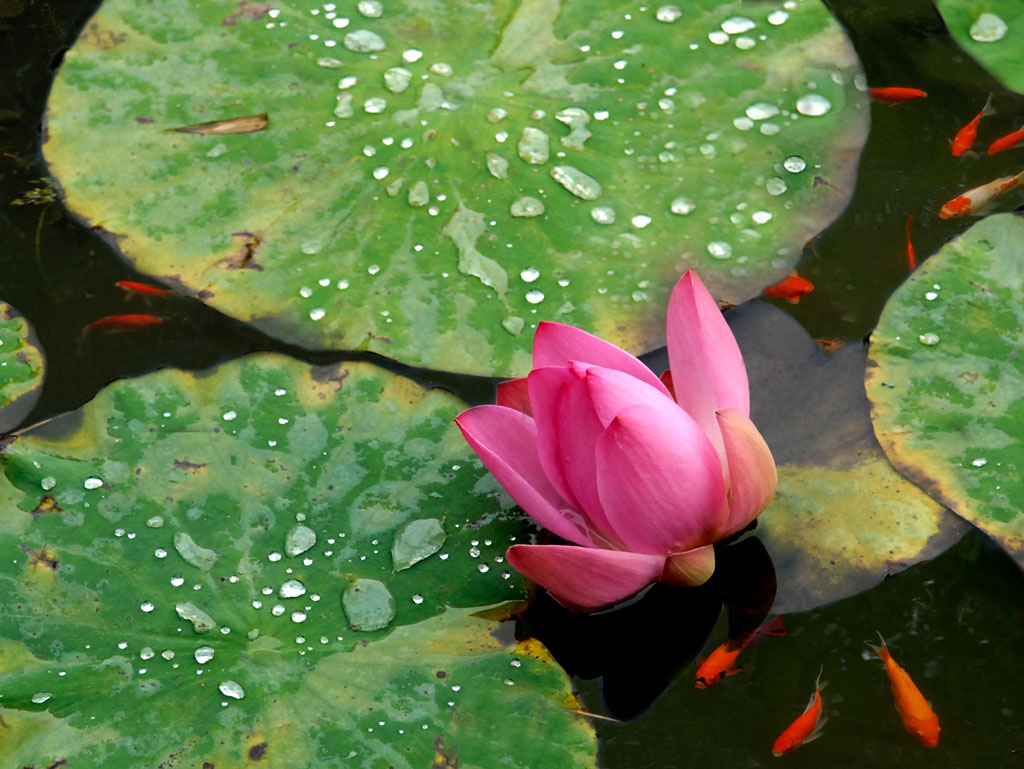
752, 473
515, 395
689, 569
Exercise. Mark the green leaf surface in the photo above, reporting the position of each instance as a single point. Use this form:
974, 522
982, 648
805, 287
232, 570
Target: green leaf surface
947, 378
180, 560
21, 367
437, 178
992, 31
842, 519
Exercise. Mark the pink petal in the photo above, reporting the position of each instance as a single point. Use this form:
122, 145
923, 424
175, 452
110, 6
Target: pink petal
689, 569
545, 386
752, 473
707, 369
555, 344
506, 442
612, 391
515, 395
660, 481
586, 577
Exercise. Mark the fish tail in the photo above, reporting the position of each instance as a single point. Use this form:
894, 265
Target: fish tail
881, 652
988, 109
818, 683
776, 626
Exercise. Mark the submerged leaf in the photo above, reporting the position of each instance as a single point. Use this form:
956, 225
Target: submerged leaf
21, 367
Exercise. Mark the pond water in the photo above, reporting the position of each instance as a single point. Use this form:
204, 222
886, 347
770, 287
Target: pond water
956, 622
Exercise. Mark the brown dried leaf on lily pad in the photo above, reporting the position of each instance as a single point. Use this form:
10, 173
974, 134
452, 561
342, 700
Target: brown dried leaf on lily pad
236, 125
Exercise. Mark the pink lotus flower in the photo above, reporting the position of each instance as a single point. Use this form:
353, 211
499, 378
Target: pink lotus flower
642, 474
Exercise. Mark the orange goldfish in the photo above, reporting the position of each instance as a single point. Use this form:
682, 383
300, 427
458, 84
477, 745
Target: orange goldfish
896, 94
1007, 142
911, 256
719, 663
134, 287
129, 322
790, 288
966, 135
807, 726
918, 717
979, 200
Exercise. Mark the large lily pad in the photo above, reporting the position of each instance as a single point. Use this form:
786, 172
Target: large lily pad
21, 367
198, 568
948, 378
416, 188
842, 519
992, 31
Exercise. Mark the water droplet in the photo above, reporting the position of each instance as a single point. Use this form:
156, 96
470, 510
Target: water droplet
769, 129
155, 522
364, 41
667, 14
292, 589
682, 206
526, 207
397, 79
343, 109
167, 654
794, 164
419, 194
931, 296
979, 462
761, 217
232, 689
718, 37
640, 221
496, 115
483, 568
412, 55
533, 146
719, 249
201, 621
40, 697
177, 581
417, 599
736, 25
603, 214
530, 274
204, 654
535, 296
776, 186
761, 111
988, 28
813, 105
299, 540
370, 8
775, 18
375, 106
48, 482
230, 416
578, 183
743, 123
339, 23
440, 68
497, 166
200, 557
347, 82
93, 483
329, 63
928, 338
147, 653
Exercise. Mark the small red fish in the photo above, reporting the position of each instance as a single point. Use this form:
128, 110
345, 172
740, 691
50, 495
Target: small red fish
896, 94
790, 288
918, 717
979, 200
124, 322
1008, 142
966, 135
719, 663
134, 287
807, 726
911, 256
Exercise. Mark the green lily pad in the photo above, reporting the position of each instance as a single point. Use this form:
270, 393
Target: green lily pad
992, 31
947, 378
431, 182
21, 367
842, 519
176, 558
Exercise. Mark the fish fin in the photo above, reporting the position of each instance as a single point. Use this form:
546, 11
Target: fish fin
880, 652
970, 154
818, 683
988, 109
731, 671
776, 626
817, 731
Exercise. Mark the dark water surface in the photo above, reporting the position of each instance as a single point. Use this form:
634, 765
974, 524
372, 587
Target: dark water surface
956, 623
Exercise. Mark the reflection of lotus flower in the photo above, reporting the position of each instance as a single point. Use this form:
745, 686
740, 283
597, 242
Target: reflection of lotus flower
644, 475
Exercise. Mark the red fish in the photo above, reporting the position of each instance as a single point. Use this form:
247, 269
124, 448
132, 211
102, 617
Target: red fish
896, 94
134, 287
966, 135
979, 200
917, 715
719, 663
124, 322
807, 726
911, 256
1007, 142
790, 288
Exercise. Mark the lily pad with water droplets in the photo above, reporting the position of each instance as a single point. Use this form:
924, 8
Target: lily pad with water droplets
948, 376
141, 650
435, 179
21, 367
992, 31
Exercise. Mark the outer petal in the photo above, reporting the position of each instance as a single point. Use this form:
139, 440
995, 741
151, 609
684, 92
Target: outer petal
752, 473
707, 369
515, 395
506, 442
689, 569
660, 481
555, 344
545, 387
586, 577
